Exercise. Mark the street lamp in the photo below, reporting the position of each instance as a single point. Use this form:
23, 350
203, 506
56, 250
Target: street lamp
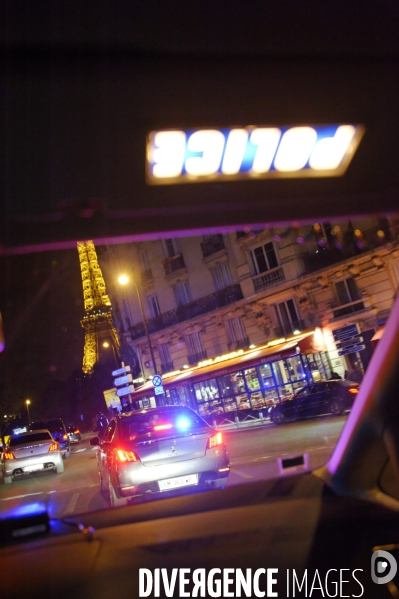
27, 407
123, 280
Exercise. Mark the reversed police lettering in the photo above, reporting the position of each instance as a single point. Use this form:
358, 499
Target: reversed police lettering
192, 156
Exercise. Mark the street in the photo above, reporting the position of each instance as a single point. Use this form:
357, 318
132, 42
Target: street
253, 456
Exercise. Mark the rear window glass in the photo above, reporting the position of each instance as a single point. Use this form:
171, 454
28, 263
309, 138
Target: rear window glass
51, 425
161, 423
26, 439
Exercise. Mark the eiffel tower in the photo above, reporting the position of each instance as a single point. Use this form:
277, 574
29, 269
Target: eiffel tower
98, 320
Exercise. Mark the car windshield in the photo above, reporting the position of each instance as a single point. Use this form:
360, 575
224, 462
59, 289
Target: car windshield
26, 439
196, 240
261, 335
157, 424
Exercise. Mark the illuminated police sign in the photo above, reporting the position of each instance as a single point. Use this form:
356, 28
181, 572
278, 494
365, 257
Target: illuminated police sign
177, 156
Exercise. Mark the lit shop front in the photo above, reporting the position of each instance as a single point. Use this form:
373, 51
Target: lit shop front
244, 381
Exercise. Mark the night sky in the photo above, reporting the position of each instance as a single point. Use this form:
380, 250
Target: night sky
41, 301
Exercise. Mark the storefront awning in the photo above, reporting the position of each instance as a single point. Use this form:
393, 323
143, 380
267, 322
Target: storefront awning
377, 336
225, 364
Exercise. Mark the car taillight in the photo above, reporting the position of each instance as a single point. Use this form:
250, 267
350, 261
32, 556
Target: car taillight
65, 436
162, 427
7, 455
53, 447
127, 456
214, 440
354, 390
76, 432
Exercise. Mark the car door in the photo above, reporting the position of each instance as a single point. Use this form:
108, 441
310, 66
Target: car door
310, 404
300, 403
318, 399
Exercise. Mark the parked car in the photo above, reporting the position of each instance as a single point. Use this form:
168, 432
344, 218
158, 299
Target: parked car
30, 452
159, 450
324, 397
74, 434
58, 430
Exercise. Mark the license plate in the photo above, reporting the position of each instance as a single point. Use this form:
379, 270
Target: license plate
33, 467
179, 481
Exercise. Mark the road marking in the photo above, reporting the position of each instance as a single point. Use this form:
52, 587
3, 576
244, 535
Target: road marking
93, 448
22, 496
241, 473
52, 492
72, 503
79, 450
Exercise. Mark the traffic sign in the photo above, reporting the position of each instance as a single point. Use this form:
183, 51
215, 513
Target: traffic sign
157, 380
123, 380
123, 370
125, 390
158, 390
351, 341
350, 330
351, 350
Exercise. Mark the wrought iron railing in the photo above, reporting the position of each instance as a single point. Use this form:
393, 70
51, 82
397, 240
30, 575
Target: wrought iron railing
238, 344
173, 264
195, 358
194, 309
167, 367
345, 309
146, 275
290, 329
212, 245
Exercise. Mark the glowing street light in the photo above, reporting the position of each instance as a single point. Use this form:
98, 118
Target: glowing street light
27, 407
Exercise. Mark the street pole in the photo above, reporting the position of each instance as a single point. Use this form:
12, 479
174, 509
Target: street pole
145, 324
27, 407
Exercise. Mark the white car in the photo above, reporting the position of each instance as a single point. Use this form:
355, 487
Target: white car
35, 451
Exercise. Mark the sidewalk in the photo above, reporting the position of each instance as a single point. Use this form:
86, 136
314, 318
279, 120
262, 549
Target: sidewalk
243, 425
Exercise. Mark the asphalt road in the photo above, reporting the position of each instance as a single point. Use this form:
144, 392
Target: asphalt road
253, 452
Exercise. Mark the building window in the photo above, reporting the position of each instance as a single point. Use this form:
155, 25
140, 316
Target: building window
126, 310
145, 265
171, 247
182, 293
347, 291
264, 258
348, 296
195, 348
154, 305
287, 318
221, 276
237, 335
164, 354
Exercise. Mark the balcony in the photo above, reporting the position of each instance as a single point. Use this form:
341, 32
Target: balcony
238, 344
212, 245
206, 304
289, 329
167, 367
352, 246
173, 264
146, 275
345, 309
268, 279
195, 358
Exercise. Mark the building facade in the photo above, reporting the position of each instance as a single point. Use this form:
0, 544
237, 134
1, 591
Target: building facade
213, 302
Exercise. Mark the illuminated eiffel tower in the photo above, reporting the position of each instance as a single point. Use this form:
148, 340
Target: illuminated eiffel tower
101, 339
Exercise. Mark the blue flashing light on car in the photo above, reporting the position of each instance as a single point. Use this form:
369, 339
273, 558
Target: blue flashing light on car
183, 423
